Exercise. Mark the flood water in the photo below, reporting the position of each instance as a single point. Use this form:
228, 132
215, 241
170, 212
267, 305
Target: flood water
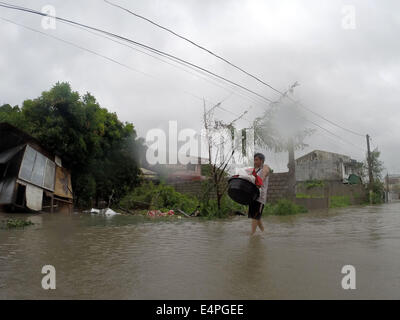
127, 257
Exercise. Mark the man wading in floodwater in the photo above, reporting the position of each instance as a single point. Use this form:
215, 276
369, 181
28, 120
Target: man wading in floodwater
257, 206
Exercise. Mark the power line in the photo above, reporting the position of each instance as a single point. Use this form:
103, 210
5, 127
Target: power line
340, 146
331, 122
330, 132
174, 58
285, 94
112, 60
203, 76
159, 52
230, 63
193, 43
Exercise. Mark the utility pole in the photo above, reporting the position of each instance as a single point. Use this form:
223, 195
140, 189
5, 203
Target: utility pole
371, 178
292, 171
292, 162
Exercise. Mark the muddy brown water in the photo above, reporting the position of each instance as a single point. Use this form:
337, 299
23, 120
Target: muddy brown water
126, 257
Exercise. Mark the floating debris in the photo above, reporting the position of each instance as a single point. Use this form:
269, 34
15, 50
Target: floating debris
15, 223
158, 213
107, 212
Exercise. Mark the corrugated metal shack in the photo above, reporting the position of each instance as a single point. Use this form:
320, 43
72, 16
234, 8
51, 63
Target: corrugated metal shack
30, 176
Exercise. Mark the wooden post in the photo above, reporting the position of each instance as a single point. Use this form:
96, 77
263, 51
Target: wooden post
52, 204
371, 178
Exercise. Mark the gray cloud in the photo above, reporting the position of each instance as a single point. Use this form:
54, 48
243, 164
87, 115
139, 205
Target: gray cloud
349, 76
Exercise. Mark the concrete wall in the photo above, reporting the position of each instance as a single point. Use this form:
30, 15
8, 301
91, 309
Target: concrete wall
277, 187
327, 169
193, 188
393, 196
320, 165
356, 192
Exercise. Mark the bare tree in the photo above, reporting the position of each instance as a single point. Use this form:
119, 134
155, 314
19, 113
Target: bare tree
218, 160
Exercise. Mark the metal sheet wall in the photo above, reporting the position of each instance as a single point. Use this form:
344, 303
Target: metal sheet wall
37, 169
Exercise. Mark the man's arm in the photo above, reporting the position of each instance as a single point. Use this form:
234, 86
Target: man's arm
265, 172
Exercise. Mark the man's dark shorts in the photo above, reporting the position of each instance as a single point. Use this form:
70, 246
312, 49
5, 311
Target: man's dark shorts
255, 210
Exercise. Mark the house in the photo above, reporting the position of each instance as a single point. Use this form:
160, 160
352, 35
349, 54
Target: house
323, 165
175, 173
149, 175
30, 176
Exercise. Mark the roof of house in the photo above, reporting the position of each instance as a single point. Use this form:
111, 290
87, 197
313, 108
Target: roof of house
322, 152
12, 137
147, 172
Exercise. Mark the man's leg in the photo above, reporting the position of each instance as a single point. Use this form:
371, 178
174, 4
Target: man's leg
254, 224
259, 221
260, 225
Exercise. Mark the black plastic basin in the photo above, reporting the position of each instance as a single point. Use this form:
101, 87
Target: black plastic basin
242, 191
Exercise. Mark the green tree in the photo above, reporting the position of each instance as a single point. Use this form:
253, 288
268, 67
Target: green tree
377, 168
102, 152
376, 164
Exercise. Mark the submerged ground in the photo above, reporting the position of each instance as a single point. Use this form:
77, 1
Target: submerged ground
127, 257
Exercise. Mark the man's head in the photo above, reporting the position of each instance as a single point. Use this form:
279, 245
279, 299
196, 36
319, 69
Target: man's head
259, 159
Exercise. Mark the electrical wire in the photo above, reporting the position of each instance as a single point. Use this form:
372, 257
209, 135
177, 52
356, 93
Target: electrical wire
113, 61
231, 64
6, 5
159, 52
198, 74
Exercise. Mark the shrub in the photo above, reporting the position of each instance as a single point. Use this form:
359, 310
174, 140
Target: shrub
339, 201
308, 196
284, 207
150, 196
209, 209
378, 192
313, 184
16, 223
376, 198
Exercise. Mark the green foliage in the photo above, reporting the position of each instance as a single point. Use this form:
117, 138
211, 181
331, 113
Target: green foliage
11, 115
307, 196
284, 207
378, 192
339, 201
15, 223
158, 197
209, 209
303, 196
205, 170
102, 153
313, 184
377, 166
162, 197
376, 198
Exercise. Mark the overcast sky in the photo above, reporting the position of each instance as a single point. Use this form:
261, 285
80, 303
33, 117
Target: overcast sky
350, 76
